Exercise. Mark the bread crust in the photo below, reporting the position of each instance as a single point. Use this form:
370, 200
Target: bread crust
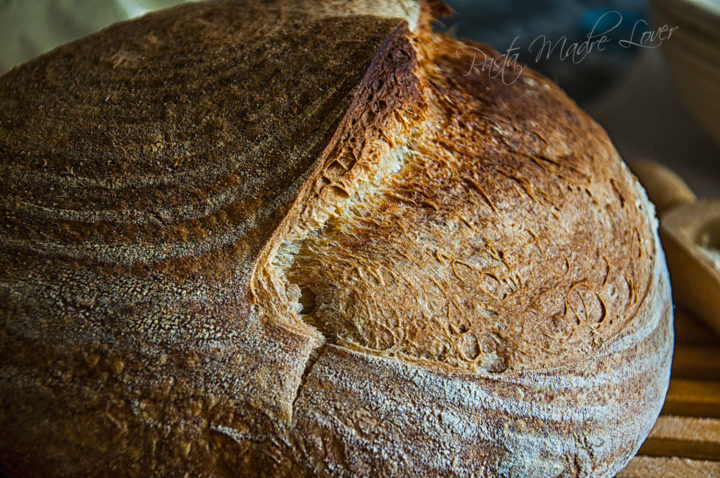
173, 185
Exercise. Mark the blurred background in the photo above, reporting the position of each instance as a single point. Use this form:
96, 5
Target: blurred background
659, 101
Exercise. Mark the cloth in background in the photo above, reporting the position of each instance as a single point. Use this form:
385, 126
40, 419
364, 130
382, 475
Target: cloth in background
29, 28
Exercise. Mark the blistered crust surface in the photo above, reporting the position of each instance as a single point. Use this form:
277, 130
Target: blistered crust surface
488, 281
505, 232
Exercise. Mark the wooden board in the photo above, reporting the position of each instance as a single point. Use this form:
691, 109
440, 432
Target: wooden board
685, 441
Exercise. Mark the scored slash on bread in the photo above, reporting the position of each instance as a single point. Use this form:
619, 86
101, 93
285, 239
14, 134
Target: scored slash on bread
304, 239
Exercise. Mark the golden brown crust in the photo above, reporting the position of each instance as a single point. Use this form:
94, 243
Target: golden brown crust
511, 218
494, 179
232, 246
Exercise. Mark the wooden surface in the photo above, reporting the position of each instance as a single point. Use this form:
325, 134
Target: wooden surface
685, 441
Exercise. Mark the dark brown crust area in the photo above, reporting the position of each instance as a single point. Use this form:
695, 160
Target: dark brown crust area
206, 138
143, 169
511, 237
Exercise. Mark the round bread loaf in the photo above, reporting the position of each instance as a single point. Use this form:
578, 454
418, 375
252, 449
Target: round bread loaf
317, 238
